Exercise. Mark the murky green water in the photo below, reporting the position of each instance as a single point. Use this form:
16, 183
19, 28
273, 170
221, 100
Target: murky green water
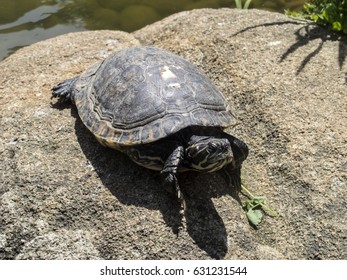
23, 22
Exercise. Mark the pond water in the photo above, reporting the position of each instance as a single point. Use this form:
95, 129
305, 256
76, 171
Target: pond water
23, 22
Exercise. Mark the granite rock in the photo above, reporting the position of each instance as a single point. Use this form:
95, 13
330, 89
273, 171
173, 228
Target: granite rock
63, 196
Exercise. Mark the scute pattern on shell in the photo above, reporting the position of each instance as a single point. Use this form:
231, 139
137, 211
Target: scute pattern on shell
142, 94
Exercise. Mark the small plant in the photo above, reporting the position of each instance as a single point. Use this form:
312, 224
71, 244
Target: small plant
238, 4
329, 13
255, 206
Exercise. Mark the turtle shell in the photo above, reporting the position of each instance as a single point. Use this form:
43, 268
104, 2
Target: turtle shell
143, 94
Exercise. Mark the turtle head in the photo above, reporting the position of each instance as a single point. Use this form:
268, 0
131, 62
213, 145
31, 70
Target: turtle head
207, 153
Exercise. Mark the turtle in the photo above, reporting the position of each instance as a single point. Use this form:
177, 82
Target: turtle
160, 110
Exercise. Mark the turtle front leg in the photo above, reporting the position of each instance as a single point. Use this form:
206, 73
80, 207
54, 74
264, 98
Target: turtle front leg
169, 172
65, 90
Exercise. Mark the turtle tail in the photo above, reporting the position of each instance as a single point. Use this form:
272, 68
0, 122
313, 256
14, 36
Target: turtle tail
65, 90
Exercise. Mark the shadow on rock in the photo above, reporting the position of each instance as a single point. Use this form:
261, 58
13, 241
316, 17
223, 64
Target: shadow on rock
306, 34
138, 186
204, 224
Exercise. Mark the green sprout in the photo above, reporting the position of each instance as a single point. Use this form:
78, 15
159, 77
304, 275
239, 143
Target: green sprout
255, 206
238, 4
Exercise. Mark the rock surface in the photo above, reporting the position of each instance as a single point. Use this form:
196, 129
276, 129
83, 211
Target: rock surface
63, 196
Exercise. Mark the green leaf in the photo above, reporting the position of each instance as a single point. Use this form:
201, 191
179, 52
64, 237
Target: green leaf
246, 6
337, 26
256, 200
309, 6
254, 216
315, 17
324, 16
254, 207
330, 13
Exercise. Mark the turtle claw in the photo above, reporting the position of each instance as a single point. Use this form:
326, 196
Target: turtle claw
64, 90
181, 199
182, 206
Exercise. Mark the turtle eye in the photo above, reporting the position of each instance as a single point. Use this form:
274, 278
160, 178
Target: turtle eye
216, 148
212, 145
197, 152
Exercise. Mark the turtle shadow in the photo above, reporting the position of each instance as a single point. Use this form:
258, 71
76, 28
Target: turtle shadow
203, 222
138, 186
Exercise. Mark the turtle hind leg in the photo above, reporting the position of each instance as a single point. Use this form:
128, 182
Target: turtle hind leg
65, 90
